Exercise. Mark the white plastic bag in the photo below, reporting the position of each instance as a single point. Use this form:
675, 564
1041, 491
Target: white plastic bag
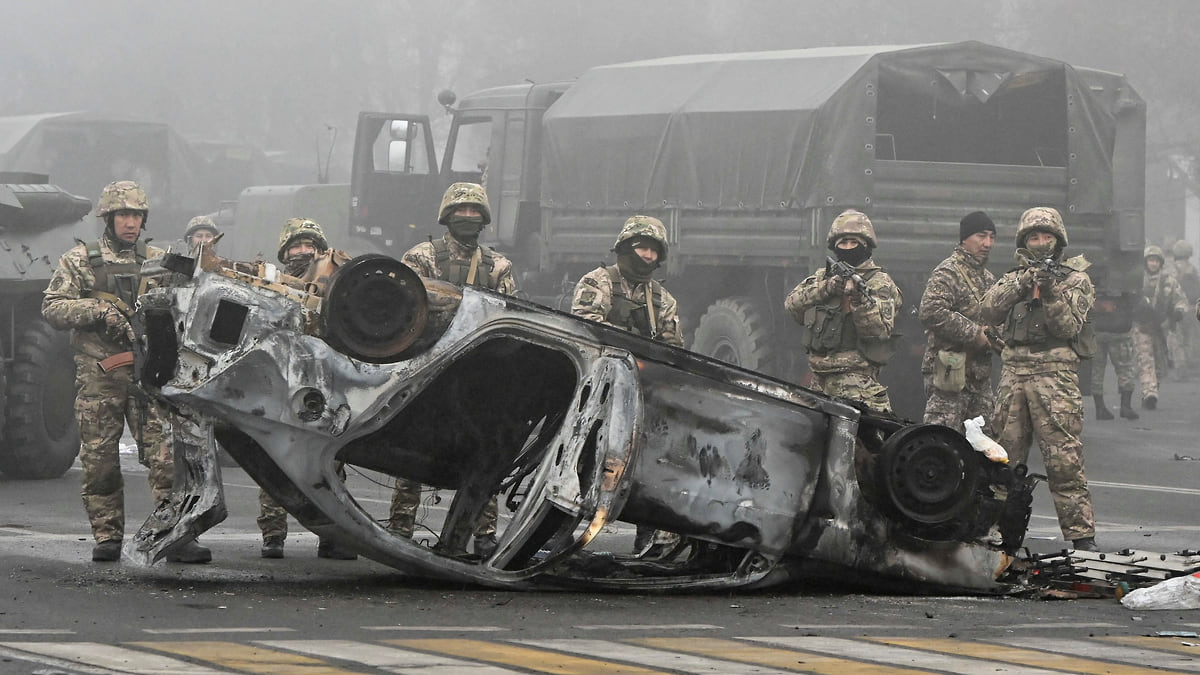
1173, 593
980, 441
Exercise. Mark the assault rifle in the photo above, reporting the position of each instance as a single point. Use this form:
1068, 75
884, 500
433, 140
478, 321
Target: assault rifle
845, 271
1045, 264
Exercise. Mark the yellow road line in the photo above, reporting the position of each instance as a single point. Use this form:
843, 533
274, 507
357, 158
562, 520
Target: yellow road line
1029, 657
774, 657
539, 660
246, 658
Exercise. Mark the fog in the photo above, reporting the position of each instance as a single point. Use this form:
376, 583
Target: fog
290, 76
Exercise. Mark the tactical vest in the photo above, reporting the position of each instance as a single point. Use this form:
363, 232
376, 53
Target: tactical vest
1026, 326
117, 281
1112, 312
630, 314
456, 270
828, 328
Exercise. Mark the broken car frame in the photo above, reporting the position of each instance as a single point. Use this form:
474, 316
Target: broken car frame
572, 424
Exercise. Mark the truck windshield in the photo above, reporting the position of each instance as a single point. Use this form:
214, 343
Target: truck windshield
471, 145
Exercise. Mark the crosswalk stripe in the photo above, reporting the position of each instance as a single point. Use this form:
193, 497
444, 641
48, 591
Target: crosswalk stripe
390, 658
789, 659
1153, 649
655, 658
118, 659
538, 660
900, 656
244, 657
1025, 651
1185, 645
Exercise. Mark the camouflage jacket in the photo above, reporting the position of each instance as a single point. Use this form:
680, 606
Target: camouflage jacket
593, 300
1165, 296
66, 305
1188, 279
1066, 308
870, 321
949, 311
422, 258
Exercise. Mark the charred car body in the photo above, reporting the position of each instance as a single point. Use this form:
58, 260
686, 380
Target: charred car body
570, 423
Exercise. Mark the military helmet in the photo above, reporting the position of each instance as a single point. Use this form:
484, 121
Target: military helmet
1181, 250
465, 193
122, 194
647, 227
1153, 251
200, 223
852, 222
300, 228
1041, 219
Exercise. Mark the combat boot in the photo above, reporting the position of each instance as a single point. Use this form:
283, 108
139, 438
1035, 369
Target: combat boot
191, 553
1102, 411
107, 551
485, 545
1085, 544
1127, 410
272, 547
1150, 401
328, 549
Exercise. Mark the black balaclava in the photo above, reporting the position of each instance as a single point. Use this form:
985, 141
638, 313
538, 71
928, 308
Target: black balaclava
465, 229
631, 265
297, 264
853, 256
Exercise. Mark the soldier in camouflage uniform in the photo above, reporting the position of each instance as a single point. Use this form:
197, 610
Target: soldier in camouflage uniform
301, 241
848, 333
1112, 318
200, 229
949, 311
1183, 341
1043, 312
1168, 305
617, 295
92, 293
459, 258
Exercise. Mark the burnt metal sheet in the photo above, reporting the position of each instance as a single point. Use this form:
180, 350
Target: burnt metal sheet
572, 425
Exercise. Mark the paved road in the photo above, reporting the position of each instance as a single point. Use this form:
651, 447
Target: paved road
61, 613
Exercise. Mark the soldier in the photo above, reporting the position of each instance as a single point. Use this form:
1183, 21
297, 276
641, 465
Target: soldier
849, 321
300, 243
460, 259
1184, 341
626, 296
92, 293
958, 352
1112, 318
200, 229
1167, 304
1044, 308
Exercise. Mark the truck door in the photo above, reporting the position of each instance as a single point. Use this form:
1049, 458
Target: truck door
394, 180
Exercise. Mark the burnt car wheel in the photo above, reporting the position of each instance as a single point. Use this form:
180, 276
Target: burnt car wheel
930, 474
735, 331
41, 438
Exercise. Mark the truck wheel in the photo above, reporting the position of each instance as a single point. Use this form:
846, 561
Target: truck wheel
735, 331
41, 438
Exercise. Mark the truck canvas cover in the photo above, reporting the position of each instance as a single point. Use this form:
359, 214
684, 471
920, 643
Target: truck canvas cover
802, 128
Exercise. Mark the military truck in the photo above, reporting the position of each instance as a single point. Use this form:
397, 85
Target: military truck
747, 158
38, 223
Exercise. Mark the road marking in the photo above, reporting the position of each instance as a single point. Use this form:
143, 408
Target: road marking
444, 629
116, 659
393, 659
649, 626
898, 656
245, 657
1147, 488
537, 660
1026, 651
1153, 643
741, 652
191, 631
655, 658
36, 631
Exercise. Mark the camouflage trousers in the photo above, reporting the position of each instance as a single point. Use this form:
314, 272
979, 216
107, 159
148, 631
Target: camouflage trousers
1048, 408
1150, 356
951, 408
272, 518
860, 384
1118, 348
1183, 343
406, 497
104, 403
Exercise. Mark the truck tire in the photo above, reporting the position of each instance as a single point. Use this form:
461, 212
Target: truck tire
41, 438
735, 331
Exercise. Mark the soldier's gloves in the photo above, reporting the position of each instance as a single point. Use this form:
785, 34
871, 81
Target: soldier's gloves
1045, 282
834, 285
982, 341
116, 326
1027, 278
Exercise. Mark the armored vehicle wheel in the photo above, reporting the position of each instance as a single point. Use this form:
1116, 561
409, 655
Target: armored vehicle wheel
735, 331
41, 438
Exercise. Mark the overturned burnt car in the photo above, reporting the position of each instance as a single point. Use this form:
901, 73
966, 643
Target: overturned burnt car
573, 425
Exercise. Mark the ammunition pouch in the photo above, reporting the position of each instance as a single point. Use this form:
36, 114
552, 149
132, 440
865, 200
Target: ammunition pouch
878, 351
1084, 343
950, 371
829, 329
